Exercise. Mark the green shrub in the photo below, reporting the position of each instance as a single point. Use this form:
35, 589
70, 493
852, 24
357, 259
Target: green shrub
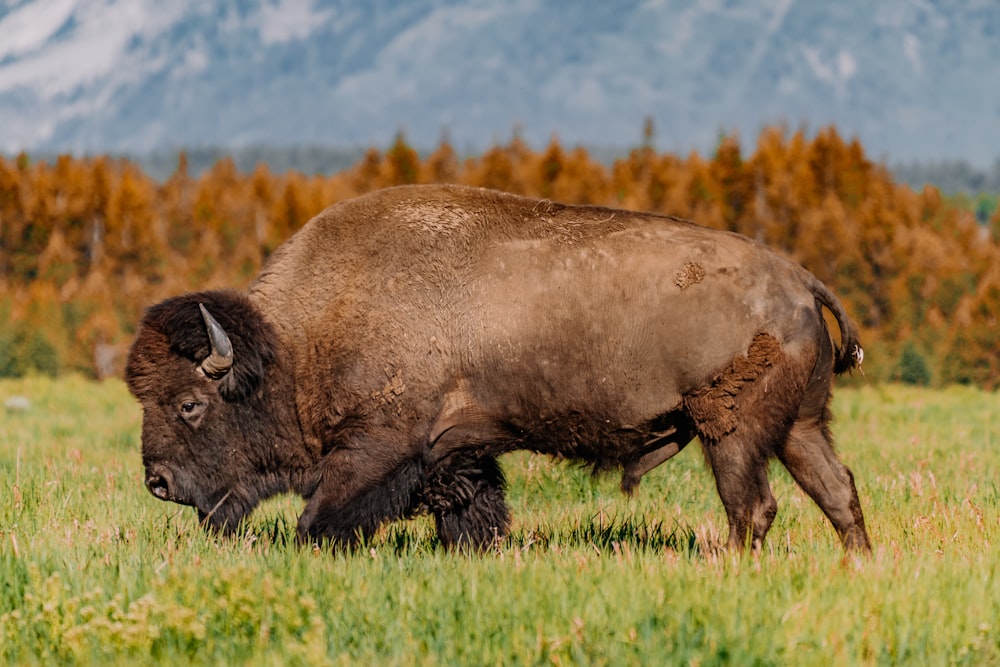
24, 351
912, 367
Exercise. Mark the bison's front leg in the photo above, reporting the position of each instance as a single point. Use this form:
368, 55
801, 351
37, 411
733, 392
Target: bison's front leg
465, 492
361, 485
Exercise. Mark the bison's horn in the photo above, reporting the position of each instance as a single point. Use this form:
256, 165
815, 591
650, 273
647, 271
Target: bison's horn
220, 360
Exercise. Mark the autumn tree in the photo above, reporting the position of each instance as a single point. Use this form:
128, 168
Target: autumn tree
581, 179
367, 174
441, 166
494, 169
401, 165
971, 357
732, 183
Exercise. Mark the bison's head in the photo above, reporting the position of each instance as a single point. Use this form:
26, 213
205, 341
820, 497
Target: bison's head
210, 428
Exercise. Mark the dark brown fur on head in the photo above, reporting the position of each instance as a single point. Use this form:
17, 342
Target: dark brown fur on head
221, 458
175, 326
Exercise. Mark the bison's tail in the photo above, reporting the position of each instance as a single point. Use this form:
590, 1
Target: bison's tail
849, 353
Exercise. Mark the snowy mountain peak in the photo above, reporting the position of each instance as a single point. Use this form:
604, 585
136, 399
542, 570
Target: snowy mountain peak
913, 81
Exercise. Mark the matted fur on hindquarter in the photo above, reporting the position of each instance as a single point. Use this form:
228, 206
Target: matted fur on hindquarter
719, 408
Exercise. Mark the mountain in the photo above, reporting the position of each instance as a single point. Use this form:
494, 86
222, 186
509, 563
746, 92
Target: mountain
910, 79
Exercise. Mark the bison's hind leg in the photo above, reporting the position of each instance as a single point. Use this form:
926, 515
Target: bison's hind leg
808, 455
740, 470
810, 459
741, 419
465, 492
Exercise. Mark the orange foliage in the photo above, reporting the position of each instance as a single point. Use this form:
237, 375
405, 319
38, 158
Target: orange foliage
86, 244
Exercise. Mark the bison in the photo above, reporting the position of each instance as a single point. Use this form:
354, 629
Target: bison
392, 349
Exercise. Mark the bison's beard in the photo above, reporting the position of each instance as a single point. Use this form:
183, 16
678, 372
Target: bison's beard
225, 515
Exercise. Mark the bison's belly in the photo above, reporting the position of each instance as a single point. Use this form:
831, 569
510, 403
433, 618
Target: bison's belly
598, 439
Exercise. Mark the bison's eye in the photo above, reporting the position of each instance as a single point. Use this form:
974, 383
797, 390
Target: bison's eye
191, 411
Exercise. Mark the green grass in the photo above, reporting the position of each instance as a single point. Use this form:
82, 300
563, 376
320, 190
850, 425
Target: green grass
93, 570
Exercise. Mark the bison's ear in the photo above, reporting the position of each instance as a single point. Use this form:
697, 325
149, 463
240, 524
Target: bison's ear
190, 334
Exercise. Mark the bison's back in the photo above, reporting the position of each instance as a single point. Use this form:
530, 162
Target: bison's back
444, 236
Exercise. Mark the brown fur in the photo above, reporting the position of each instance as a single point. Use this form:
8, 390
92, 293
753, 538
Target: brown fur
713, 407
400, 342
690, 274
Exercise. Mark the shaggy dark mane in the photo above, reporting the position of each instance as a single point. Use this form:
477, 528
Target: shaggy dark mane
177, 324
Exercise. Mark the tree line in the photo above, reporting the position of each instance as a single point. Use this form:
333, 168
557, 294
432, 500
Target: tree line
86, 244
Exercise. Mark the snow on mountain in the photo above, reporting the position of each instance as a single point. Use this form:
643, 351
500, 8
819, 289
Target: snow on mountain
912, 80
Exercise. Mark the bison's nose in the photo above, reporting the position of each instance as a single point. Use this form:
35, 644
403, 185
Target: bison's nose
158, 482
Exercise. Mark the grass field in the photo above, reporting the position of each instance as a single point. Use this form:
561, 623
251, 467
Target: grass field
94, 570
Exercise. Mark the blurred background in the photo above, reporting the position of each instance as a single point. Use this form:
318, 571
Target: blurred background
149, 148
